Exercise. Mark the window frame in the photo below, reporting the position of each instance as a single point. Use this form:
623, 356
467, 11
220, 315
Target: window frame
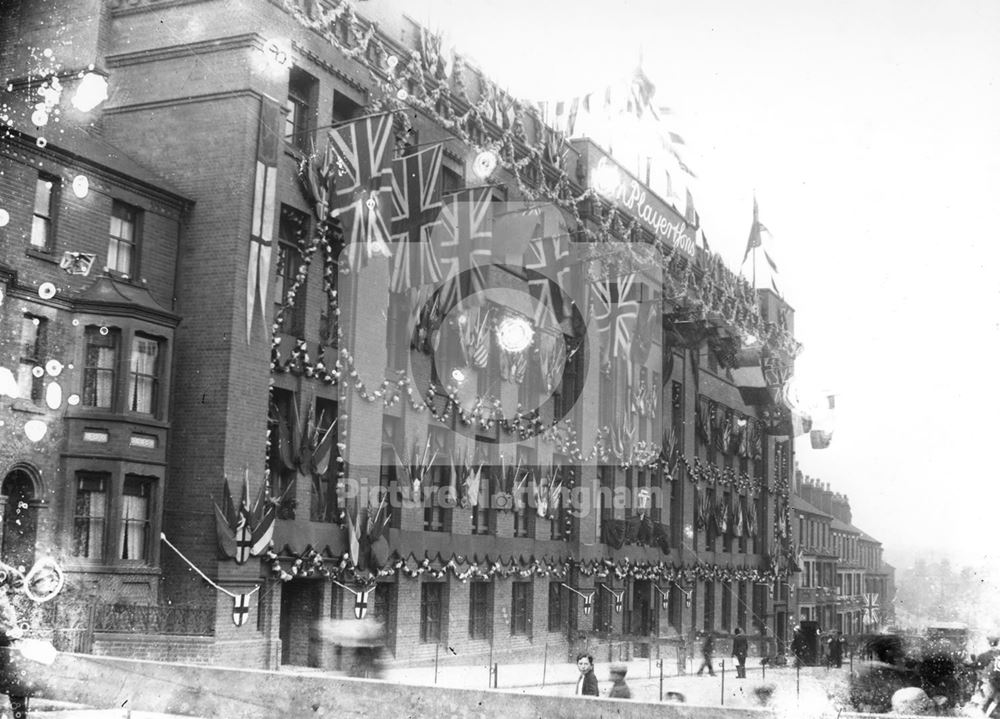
301, 109
48, 220
134, 244
480, 614
520, 609
91, 372
155, 378
148, 483
105, 479
431, 612
27, 362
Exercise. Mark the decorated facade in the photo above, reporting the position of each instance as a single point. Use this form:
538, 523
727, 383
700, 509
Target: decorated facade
422, 357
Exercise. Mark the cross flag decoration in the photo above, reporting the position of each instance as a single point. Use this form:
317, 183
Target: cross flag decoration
616, 308
416, 195
588, 597
241, 601
244, 531
360, 598
241, 609
871, 608
262, 220
664, 597
619, 598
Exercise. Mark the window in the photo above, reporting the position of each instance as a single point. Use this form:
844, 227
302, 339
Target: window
727, 537
344, 108
292, 227
281, 411
34, 332
520, 607
46, 191
300, 122
123, 238
437, 514
322, 495
144, 375
89, 515
99, 366
556, 613
741, 605
524, 518
133, 540
388, 477
430, 612
479, 610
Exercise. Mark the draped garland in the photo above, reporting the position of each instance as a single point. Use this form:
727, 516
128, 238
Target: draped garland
312, 564
406, 83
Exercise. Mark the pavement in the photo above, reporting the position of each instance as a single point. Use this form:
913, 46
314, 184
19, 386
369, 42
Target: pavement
811, 689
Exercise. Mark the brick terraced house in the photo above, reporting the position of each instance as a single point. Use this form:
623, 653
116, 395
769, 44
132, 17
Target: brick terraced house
572, 409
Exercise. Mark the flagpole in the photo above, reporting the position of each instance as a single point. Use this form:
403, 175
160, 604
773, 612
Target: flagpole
755, 268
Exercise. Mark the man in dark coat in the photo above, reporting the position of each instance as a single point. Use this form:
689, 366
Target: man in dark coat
740, 652
586, 685
707, 649
835, 655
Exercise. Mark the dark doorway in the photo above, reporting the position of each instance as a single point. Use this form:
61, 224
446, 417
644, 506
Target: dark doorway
810, 634
20, 519
301, 609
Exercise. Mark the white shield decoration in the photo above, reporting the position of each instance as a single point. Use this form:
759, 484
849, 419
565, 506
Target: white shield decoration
588, 602
361, 603
664, 601
244, 542
619, 601
241, 609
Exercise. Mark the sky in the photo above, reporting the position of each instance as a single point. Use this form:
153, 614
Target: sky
869, 132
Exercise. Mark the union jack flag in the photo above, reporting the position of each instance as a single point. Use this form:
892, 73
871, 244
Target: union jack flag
871, 608
359, 178
548, 263
616, 308
462, 242
416, 195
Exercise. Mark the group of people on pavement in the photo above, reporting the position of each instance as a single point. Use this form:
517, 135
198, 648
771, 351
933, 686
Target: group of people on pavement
739, 651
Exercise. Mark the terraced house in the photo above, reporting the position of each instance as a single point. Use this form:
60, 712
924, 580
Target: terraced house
364, 336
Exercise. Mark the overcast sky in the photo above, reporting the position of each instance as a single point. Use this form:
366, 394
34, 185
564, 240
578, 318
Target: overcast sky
869, 132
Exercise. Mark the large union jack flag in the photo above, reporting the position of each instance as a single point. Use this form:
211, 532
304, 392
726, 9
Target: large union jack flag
416, 195
462, 243
871, 609
358, 166
616, 308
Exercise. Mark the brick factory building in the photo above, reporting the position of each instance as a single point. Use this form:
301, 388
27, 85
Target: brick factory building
203, 303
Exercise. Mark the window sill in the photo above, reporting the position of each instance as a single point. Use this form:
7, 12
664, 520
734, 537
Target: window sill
44, 255
21, 404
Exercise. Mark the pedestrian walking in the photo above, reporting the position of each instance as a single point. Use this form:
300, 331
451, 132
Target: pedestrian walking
707, 649
619, 689
586, 685
740, 652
